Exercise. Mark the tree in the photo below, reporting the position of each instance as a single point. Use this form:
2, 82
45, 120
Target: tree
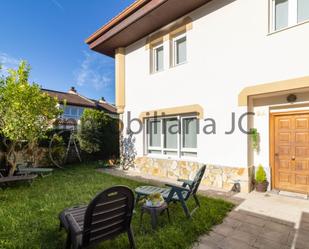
25, 112
98, 133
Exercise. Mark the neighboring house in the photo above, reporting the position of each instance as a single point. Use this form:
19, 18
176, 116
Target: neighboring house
195, 60
74, 104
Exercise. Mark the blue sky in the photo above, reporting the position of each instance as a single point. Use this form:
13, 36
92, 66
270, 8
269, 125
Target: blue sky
50, 35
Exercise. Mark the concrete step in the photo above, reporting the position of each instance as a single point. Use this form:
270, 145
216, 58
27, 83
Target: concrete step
294, 195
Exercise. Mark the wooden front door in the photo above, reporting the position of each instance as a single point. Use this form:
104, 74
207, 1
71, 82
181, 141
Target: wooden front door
291, 159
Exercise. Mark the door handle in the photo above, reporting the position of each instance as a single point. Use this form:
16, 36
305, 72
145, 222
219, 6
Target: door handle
276, 154
293, 158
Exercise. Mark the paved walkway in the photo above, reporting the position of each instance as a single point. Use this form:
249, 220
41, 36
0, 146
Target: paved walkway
259, 221
262, 221
246, 230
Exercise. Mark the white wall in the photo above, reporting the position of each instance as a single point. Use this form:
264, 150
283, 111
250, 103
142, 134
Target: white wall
229, 48
261, 123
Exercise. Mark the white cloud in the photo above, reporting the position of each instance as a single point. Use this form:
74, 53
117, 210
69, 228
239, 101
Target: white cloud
7, 61
57, 4
95, 71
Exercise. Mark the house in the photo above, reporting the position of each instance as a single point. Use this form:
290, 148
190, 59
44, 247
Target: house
200, 75
74, 105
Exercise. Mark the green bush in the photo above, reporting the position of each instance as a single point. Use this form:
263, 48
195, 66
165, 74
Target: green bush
255, 136
44, 142
57, 151
260, 175
98, 134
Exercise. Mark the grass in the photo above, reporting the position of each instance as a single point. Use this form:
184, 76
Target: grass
29, 215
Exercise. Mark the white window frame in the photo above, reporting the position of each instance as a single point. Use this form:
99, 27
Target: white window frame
154, 58
292, 15
79, 111
148, 136
174, 49
183, 149
180, 149
162, 137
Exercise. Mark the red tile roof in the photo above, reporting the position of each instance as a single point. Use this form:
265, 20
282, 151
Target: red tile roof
79, 100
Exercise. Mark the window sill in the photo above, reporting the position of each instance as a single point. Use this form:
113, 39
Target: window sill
176, 158
178, 65
156, 72
287, 28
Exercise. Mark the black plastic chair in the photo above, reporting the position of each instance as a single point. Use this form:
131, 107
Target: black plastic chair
108, 215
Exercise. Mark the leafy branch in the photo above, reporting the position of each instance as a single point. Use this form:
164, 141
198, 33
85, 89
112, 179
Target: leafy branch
255, 138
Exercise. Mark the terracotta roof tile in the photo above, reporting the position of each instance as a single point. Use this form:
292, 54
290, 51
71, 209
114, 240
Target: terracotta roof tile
78, 100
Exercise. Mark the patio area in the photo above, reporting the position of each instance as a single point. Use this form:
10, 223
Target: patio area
29, 215
259, 221
262, 221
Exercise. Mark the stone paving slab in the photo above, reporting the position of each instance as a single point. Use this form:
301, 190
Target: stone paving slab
262, 221
241, 230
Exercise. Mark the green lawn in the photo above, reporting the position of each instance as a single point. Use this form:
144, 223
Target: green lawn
29, 215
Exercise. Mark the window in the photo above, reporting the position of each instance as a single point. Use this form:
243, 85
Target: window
158, 58
189, 136
154, 136
302, 10
176, 49
289, 12
180, 49
172, 136
281, 14
72, 112
67, 111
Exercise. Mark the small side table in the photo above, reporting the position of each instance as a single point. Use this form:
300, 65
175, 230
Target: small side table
154, 213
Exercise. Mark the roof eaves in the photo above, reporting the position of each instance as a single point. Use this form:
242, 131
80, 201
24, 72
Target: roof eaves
117, 19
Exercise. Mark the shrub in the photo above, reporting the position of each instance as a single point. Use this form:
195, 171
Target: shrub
57, 151
45, 141
260, 175
255, 137
98, 134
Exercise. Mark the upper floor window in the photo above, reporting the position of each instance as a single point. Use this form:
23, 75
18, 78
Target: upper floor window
180, 49
281, 14
302, 10
158, 58
289, 12
72, 112
172, 53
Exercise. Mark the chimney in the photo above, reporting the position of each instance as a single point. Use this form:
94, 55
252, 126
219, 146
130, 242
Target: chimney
72, 90
102, 100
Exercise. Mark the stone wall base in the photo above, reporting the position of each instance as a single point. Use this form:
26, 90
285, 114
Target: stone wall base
215, 175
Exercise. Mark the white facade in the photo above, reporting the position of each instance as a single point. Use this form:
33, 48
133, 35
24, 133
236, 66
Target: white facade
229, 47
